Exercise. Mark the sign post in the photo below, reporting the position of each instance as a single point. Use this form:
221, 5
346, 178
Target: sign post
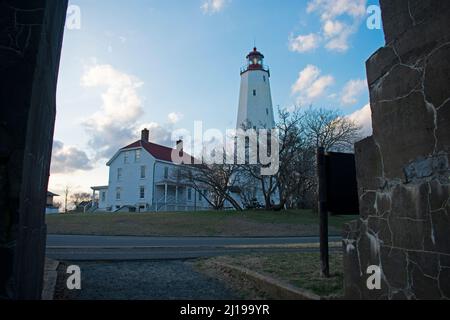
323, 212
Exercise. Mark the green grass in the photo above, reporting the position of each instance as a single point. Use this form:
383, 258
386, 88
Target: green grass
301, 270
211, 223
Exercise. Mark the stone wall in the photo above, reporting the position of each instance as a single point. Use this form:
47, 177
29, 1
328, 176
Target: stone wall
31, 34
403, 169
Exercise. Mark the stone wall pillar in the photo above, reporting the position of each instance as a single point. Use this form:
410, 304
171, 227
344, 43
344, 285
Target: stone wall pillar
31, 33
403, 169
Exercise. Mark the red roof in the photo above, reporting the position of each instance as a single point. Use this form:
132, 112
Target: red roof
159, 152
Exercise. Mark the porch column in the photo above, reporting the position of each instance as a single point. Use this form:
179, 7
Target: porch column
165, 195
176, 198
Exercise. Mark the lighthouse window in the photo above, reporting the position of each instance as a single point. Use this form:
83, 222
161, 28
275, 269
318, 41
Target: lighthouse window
267, 111
264, 77
254, 93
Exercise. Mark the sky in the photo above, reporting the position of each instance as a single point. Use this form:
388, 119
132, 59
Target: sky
164, 64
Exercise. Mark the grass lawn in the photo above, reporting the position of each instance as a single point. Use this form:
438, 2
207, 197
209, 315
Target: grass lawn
301, 270
249, 223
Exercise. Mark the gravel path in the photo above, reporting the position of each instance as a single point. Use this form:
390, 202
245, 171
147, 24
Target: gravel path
144, 280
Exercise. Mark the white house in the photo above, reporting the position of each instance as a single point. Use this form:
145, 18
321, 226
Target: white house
50, 206
142, 178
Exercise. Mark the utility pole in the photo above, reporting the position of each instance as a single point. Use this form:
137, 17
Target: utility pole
66, 196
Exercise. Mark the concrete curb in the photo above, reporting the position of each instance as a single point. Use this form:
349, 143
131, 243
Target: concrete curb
276, 289
50, 278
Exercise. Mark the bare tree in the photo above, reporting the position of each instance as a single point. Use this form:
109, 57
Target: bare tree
214, 182
57, 204
80, 197
296, 170
327, 128
301, 133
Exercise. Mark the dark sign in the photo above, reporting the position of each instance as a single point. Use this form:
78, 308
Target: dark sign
341, 185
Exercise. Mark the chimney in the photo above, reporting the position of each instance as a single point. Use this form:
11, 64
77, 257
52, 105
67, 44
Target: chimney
180, 147
145, 135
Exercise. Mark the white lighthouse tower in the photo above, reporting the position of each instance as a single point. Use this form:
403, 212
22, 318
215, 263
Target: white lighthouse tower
255, 99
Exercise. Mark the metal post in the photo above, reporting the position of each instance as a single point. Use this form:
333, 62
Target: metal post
323, 213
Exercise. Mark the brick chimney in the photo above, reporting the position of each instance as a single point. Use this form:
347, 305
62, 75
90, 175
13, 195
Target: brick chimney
145, 135
180, 147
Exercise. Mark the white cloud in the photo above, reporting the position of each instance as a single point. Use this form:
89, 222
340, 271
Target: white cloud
332, 28
113, 125
306, 78
304, 43
329, 9
119, 120
319, 86
340, 43
353, 90
363, 118
66, 159
174, 117
335, 31
310, 84
213, 6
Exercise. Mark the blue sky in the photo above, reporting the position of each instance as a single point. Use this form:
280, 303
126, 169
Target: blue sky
165, 64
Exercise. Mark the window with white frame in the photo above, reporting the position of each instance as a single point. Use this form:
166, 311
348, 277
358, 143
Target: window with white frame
189, 194
118, 193
103, 196
137, 155
166, 173
119, 174
142, 192
125, 157
143, 172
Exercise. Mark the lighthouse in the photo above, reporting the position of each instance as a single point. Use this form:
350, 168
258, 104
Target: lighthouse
255, 98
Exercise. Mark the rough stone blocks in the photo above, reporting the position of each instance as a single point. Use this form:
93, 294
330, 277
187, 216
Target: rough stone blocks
403, 169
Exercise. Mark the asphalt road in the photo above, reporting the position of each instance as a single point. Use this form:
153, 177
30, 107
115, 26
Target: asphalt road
94, 248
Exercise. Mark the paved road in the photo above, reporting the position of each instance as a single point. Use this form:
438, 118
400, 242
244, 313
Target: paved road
85, 248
